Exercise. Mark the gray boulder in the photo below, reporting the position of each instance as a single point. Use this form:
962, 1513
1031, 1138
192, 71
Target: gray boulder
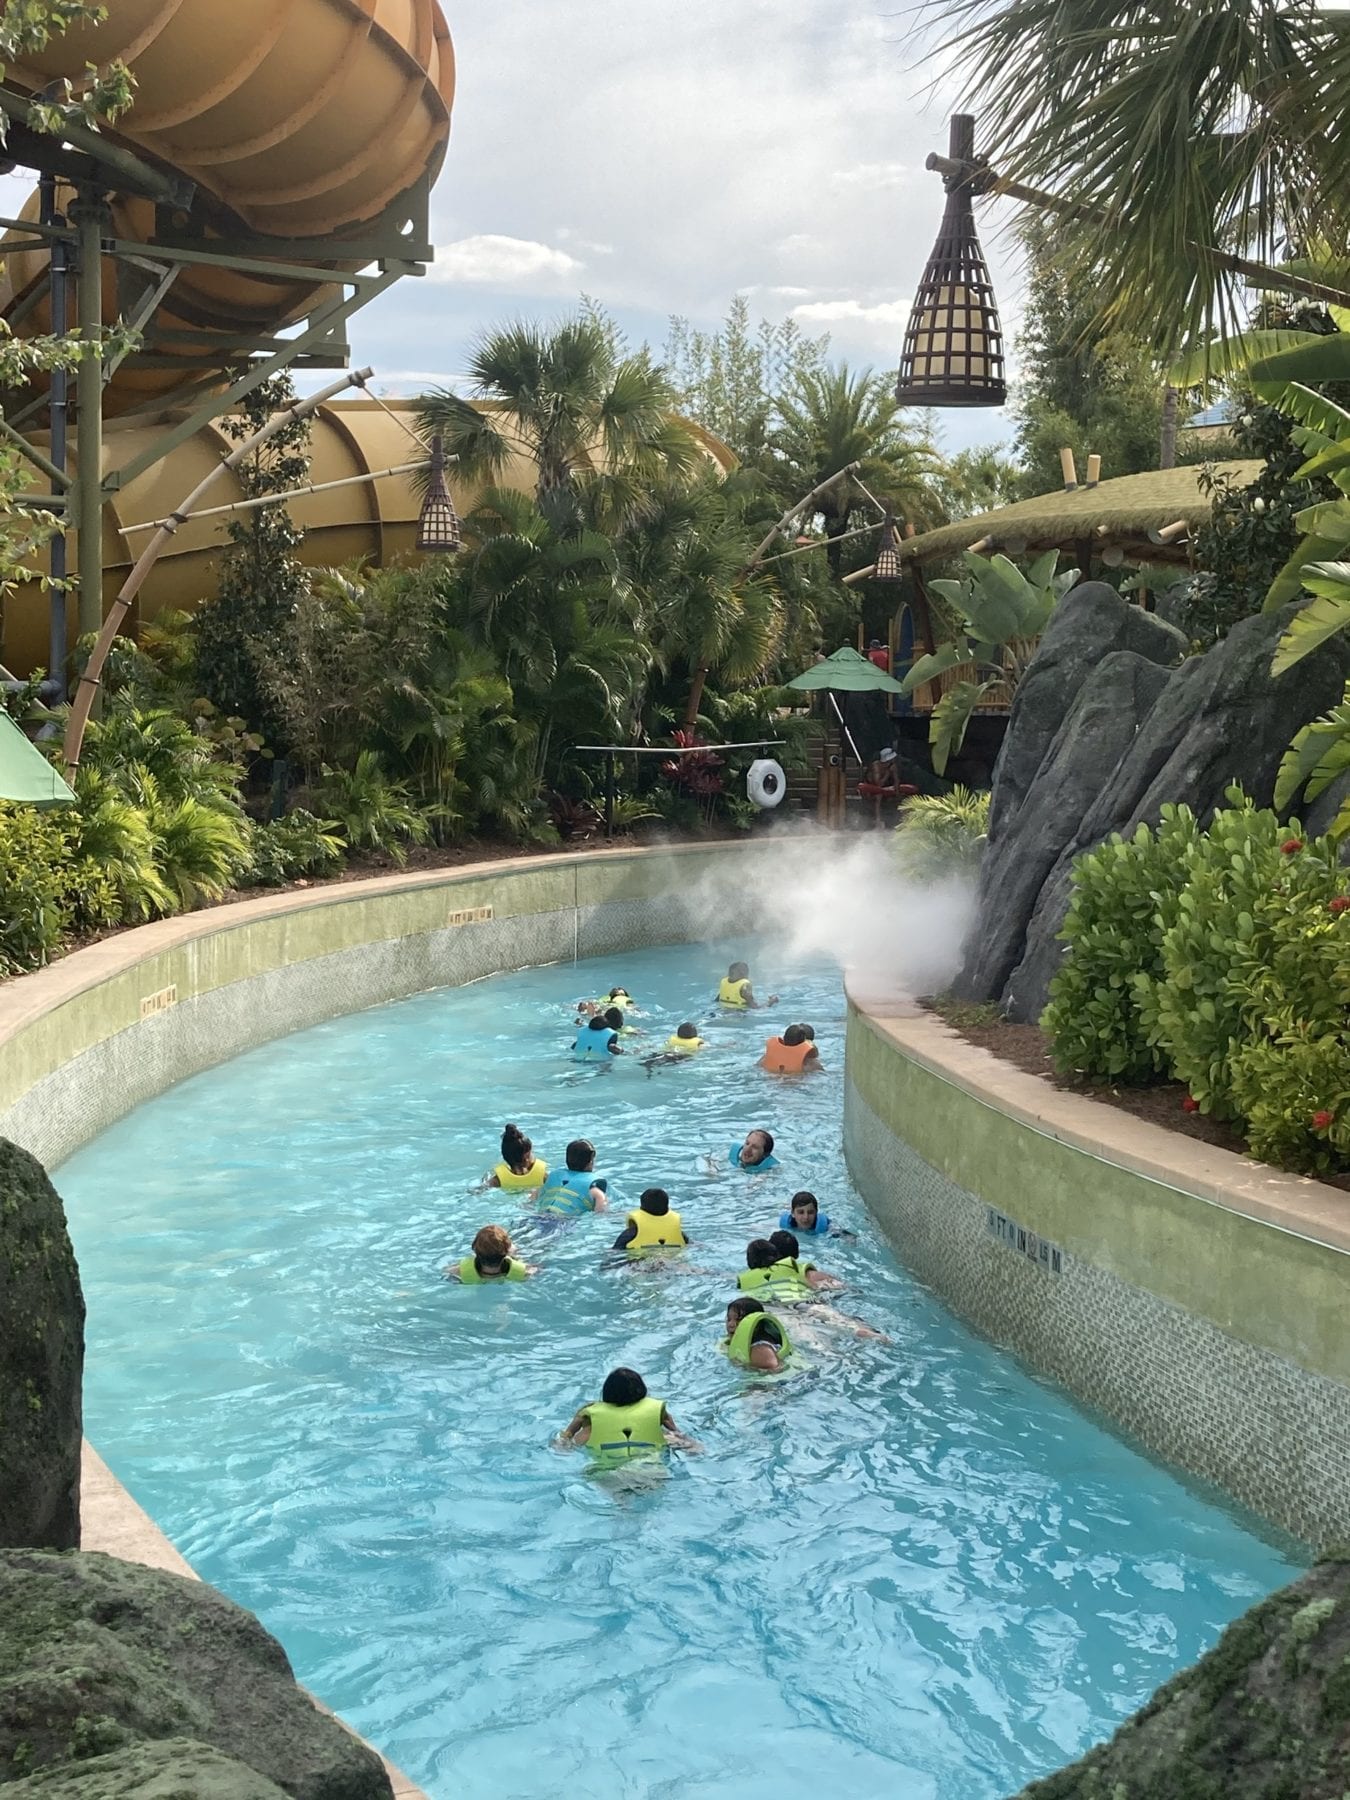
1081, 758
1088, 625
98, 1656
172, 1769
41, 1360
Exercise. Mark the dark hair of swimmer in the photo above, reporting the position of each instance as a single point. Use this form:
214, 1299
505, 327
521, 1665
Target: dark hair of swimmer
686, 1030
517, 1150
794, 1035
580, 1155
800, 1202
655, 1201
623, 1387
760, 1254
739, 972
599, 1022
613, 1018
615, 992
784, 1243
808, 1032
743, 1307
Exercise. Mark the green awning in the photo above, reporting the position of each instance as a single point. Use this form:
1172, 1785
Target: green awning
846, 672
26, 776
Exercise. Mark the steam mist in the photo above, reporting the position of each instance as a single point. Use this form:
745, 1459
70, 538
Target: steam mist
822, 895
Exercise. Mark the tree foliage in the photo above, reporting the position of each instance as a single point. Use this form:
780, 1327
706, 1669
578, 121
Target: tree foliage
731, 380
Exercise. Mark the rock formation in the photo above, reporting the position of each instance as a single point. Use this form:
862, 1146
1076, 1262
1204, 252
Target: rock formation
41, 1361
1265, 1716
98, 1658
1103, 732
172, 1769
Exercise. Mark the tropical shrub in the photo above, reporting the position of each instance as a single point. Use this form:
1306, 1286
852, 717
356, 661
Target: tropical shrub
940, 836
372, 810
286, 849
1102, 1016
36, 899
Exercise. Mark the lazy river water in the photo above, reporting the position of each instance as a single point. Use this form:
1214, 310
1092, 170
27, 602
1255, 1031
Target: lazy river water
912, 1570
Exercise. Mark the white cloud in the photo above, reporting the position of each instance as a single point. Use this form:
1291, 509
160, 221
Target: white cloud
565, 235
838, 312
871, 177
491, 260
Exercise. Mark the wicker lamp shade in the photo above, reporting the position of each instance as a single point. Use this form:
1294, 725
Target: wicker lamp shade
953, 354
887, 566
438, 528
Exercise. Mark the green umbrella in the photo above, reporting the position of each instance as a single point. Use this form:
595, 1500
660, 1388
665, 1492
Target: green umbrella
847, 673
25, 774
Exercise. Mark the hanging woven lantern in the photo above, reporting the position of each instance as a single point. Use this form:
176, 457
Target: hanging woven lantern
887, 566
953, 353
438, 528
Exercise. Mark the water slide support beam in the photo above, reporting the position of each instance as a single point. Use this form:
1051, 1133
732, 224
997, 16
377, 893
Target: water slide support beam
90, 217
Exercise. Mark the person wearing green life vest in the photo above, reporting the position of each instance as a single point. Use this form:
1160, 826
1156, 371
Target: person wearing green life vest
492, 1260
788, 1270
626, 1424
755, 1339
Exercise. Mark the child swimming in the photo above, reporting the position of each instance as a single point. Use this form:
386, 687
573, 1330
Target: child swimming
788, 1267
736, 992
625, 1424
755, 1339
805, 1218
492, 1260
599, 1037
520, 1169
570, 1192
654, 1228
791, 1054
682, 1043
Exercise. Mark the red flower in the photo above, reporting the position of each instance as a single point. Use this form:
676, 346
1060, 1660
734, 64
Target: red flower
1321, 1120
1339, 904
1189, 1104
1291, 846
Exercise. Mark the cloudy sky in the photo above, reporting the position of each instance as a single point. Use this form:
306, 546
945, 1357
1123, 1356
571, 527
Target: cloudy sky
663, 155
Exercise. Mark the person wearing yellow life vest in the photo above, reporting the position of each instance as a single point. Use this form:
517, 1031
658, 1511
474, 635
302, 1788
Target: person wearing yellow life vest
654, 1229
791, 1054
491, 1260
736, 992
626, 1424
520, 1170
788, 1271
755, 1339
682, 1043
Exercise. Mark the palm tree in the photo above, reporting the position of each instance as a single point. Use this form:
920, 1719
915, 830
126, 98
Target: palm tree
583, 414
1181, 135
832, 417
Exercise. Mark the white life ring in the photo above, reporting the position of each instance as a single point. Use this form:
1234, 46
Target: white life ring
765, 783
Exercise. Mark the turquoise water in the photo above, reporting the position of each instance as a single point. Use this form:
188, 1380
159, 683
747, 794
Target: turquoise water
913, 1570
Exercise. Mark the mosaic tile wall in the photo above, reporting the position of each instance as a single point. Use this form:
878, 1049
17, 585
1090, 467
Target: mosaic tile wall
86, 1094
1274, 1436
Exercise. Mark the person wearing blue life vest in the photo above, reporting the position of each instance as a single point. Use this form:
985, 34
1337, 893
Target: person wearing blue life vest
626, 1424
807, 1220
570, 1192
755, 1153
599, 1036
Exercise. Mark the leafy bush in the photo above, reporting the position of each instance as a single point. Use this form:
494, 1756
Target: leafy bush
942, 835
1102, 1016
295, 846
36, 902
372, 811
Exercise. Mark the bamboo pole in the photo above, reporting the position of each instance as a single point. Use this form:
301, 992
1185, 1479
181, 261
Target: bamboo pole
313, 487
820, 488
91, 678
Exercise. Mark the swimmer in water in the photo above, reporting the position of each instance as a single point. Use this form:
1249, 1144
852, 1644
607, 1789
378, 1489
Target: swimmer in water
598, 1038
492, 1260
682, 1043
736, 992
788, 1268
655, 1228
756, 1152
755, 1339
791, 1054
570, 1192
520, 1169
625, 1424
805, 1218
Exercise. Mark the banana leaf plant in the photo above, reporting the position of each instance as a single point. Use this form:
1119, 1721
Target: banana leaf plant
1004, 612
1319, 753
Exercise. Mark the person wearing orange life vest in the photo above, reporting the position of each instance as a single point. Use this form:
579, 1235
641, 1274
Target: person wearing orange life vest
791, 1054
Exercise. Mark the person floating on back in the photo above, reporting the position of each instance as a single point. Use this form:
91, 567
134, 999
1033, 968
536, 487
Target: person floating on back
805, 1218
791, 1054
570, 1192
626, 1424
788, 1270
599, 1037
755, 1339
520, 1169
682, 1043
755, 1153
654, 1229
735, 990
492, 1260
